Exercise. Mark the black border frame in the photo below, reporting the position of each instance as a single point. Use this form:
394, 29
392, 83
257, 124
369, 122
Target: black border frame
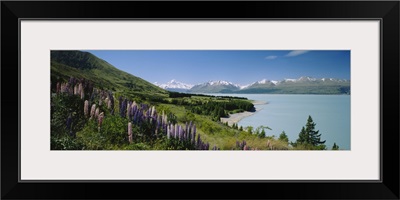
386, 11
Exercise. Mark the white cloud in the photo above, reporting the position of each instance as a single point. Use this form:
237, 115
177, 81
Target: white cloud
271, 57
296, 53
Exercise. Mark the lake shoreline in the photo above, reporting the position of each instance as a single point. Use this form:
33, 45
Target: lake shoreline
235, 118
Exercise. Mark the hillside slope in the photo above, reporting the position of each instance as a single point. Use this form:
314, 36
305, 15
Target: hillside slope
78, 64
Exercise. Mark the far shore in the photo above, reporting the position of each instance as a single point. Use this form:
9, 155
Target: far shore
259, 102
235, 118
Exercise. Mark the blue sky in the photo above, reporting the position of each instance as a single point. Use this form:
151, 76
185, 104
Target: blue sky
237, 66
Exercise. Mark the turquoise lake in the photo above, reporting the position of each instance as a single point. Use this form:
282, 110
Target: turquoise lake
289, 113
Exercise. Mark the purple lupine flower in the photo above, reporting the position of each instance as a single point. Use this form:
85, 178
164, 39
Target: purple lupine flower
71, 81
190, 127
198, 141
92, 111
71, 90
120, 102
181, 133
147, 113
123, 108
69, 122
134, 108
86, 108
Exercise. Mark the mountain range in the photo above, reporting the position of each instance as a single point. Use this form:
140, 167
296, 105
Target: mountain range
302, 85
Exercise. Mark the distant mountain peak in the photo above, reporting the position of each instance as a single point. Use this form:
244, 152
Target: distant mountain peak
174, 84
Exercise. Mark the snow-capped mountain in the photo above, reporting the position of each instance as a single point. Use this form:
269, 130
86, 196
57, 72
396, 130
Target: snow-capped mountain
262, 82
215, 83
302, 85
175, 85
215, 86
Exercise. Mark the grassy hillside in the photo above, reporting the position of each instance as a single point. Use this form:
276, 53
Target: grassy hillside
78, 64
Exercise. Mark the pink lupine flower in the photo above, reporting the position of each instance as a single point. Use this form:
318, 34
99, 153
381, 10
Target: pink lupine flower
168, 131
97, 112
128, 107
130, 136
58, 87
109, 105
176, 131
100, 120
153, 111
82, 94
86, 108
75, 89
92, 110
80, 88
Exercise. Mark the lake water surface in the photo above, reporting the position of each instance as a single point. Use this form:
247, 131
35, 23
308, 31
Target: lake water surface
289, 113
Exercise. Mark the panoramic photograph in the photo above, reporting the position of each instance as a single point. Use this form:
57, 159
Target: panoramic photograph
230, 100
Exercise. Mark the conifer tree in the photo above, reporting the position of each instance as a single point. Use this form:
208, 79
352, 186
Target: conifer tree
312, 135
308, 136
335, 146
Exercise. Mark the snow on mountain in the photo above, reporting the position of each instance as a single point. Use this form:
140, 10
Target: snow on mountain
290, 80
264, 81
174, 84
245, 86
306, 78
275, 82
219, 83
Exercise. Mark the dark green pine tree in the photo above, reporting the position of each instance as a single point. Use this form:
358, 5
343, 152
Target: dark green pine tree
302, 137
309, 137
283, 137
312, 136
335, 146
